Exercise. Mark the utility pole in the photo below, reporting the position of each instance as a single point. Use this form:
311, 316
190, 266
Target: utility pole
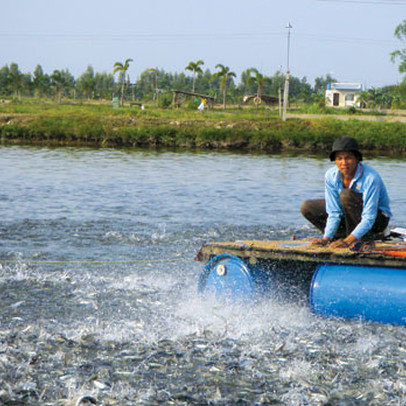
286, 89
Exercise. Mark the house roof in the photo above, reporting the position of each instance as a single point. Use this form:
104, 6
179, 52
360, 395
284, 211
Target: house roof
345, 86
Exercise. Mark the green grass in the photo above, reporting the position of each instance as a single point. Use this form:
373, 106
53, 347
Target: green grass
235, 128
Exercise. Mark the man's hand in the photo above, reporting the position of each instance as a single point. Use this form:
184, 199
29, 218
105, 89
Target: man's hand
339, 244
343, 243
320, 241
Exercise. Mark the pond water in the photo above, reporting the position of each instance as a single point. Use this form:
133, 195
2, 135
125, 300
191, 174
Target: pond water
98, 284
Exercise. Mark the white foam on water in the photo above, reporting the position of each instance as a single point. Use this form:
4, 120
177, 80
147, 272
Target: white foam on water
367, 344
159, 306
297, 370
145, 282
170, 309
18, 271
159, 235
239, 320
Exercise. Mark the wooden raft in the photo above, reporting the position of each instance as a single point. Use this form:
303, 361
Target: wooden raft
301, 251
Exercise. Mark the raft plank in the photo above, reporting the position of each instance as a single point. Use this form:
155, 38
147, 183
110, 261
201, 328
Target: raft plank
301, 251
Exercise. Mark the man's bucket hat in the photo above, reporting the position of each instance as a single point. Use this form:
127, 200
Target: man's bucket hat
348, 144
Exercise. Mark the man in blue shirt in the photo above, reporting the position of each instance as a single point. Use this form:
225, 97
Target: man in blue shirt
356, 205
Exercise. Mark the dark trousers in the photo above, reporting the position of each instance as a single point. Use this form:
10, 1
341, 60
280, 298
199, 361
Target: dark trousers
351, 204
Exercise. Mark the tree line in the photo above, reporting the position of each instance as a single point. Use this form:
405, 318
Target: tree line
155, 85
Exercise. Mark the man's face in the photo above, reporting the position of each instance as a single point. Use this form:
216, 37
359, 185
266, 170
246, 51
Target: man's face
346, 163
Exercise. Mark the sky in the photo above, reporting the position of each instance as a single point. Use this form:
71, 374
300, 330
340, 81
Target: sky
349, 39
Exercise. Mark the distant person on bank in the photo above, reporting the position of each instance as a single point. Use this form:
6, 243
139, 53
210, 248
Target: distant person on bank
356, 205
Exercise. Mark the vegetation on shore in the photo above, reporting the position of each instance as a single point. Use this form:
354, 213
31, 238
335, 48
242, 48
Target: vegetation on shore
251, 129
155, 86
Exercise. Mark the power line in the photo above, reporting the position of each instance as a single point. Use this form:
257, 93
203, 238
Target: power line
178, 37
135, 35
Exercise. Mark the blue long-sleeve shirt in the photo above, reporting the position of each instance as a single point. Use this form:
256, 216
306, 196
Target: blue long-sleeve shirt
374, 196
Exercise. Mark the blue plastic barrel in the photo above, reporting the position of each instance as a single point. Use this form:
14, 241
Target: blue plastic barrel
365, 292
229, 277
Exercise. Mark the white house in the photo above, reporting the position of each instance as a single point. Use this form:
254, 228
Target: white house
343, 94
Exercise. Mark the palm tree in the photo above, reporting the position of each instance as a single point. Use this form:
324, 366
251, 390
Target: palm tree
122, 68
195, 68
225, 74
260, 80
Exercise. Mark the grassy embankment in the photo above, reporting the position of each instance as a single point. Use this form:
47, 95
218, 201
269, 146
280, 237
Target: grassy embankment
247, 129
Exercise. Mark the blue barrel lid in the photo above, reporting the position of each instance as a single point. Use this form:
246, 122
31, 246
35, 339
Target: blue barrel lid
227, 276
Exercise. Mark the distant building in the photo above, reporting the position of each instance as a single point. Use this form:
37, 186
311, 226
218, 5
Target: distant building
343, 94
